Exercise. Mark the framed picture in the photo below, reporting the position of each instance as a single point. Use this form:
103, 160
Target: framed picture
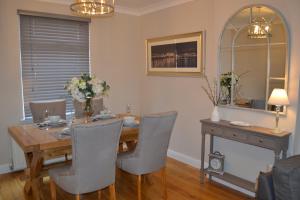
178, 55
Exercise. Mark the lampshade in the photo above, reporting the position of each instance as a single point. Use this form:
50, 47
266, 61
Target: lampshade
93, 7
279, 97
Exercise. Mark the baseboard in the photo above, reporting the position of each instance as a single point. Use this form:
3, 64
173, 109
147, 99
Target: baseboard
186, 159
234, 187
5, 168
197, 163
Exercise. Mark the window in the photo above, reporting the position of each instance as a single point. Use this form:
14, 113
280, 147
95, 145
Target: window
52, 52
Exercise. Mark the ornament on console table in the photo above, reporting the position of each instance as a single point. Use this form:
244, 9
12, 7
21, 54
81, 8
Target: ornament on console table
214, 96
216, 163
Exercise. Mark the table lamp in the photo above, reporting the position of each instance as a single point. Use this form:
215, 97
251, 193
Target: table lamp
278, 98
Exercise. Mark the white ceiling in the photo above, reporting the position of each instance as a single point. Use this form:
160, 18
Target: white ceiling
136, 3
135, 7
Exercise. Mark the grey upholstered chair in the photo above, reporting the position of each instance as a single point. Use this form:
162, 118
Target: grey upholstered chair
53, 107
151, 151
94, 149
97, 106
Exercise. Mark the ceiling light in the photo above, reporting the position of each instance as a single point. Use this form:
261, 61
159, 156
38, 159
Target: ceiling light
259, 27
91, 8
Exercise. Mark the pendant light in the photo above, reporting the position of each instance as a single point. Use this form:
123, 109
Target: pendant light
91, 8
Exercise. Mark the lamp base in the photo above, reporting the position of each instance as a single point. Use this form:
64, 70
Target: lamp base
277, 130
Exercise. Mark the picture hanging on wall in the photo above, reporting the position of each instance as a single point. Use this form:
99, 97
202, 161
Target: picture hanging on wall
177, 55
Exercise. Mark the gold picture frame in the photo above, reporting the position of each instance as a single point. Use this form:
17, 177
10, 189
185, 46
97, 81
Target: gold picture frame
177, 55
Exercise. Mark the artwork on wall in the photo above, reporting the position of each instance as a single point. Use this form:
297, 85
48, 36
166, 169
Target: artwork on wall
177, 55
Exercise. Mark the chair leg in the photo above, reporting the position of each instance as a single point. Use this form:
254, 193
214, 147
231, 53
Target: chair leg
112, 192
99, 194
139, 187
77, 196
66, 157
164, 182
52, 189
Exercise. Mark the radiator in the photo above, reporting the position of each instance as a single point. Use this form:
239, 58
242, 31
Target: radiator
18, 159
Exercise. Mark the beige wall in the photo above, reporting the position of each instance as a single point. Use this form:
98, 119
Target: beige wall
186, 96
10, 82
112, 60
118, 55
180, 93
241, 154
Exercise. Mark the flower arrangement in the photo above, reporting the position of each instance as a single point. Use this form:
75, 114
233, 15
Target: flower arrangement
85, 88
229, 80
226, 79
212, 92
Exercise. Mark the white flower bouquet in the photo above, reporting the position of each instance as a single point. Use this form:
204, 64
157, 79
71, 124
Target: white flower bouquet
85, 88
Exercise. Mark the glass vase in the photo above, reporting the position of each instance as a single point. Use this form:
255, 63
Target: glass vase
88, 110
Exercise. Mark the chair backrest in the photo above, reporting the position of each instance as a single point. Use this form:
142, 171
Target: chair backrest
97, 106
95, 152
153, 141
53, 107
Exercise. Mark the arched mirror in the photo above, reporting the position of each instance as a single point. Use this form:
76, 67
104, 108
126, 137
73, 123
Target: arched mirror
253, 58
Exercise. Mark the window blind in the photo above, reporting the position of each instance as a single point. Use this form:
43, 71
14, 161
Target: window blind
52, 52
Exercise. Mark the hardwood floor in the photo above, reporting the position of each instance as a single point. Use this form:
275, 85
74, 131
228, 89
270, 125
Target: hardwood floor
182, 184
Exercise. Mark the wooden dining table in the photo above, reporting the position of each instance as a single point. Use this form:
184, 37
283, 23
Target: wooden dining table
40, 144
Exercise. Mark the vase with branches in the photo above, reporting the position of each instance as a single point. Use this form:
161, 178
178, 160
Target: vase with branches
212, 92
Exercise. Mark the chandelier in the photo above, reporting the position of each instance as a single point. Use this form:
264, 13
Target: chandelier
93, 7
259, 28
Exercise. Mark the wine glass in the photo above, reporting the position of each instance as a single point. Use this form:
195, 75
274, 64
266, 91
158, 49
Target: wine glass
46, 115
128, 109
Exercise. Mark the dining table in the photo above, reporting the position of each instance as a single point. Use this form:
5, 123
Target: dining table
40, 144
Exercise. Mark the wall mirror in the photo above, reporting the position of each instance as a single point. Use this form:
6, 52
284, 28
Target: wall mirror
253, 58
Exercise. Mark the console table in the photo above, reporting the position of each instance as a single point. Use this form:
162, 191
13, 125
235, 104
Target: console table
252, 135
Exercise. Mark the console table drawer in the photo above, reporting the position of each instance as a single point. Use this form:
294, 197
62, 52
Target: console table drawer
235, 135
213, 130
262, 142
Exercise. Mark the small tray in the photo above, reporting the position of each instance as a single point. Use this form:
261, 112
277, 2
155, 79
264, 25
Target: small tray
240, 123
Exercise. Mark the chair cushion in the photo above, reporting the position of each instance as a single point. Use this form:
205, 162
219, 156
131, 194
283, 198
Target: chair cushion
286, 177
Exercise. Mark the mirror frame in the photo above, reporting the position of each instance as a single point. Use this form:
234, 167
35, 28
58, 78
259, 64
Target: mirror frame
287, 62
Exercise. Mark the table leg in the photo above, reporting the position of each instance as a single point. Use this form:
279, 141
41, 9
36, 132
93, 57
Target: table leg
35, 179
277, 156
211, 149
202, 158
284, 153
27, 187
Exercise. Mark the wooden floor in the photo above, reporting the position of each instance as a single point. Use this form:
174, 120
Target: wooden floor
182, 182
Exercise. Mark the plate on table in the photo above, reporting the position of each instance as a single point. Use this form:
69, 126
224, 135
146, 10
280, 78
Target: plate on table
240, 123
134, 124
103, 116
60, 122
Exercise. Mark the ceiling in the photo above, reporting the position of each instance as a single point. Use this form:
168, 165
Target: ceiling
136, 3
135, 7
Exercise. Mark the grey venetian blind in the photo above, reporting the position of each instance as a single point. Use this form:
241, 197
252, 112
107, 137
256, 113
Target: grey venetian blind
52, 52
